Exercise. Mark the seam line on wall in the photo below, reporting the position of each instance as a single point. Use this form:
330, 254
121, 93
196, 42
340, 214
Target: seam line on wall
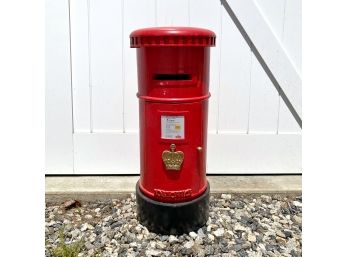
282, 40
250, 87
123, 69
219, 76
89, 68
156, 23
71, 92
188, 12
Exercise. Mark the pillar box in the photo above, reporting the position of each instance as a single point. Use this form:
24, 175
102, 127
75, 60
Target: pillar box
173, 90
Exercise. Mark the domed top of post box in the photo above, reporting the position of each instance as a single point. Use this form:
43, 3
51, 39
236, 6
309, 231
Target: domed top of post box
172, 36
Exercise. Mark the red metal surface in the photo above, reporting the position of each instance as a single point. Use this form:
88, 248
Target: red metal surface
173, 81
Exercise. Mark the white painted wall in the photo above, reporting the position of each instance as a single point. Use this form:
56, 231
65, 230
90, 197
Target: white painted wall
92, 119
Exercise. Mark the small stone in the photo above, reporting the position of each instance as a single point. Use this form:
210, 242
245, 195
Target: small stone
164, 238
288, 233
284, 222
262, 247
193, 234
189, 244
110, 233
223, 249
293, 253
160, 245
89, 246
75, 233
291, 244
251, 238
200, 233
88, 217
211, 237
84, 227
280, 234
133, 245
239, 227
209, 250
297, 219
266, 198
297, 203
173, 239
219, 232
255, 254
152, 252
138, 228
98, 245
246, 245
270, 248
116, 224
104, 240
200, 253
71, 204
92, 238
97, 210
237, 247
226, 196
280, 240
199, 240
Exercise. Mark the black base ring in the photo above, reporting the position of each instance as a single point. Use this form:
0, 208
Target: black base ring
172, 218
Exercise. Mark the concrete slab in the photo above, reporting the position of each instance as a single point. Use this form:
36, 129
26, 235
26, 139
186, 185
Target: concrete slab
89, 188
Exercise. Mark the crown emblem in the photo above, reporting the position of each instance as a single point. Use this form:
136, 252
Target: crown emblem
172, 159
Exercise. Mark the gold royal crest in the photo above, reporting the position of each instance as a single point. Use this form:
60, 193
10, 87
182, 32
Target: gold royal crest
172, 159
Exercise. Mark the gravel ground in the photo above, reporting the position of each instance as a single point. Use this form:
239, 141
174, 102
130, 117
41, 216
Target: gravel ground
249, 225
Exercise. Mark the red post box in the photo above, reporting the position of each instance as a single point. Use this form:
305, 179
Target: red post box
173, 90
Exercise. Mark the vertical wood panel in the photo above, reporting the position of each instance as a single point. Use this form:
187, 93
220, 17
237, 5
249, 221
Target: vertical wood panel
273, 11
276, 13
292, 42
106, 66
80, 64
59, 127
293, 31
287, 123
234, 79
172, 13
106, 153
137, 14
207, 14
264, 101
264, 98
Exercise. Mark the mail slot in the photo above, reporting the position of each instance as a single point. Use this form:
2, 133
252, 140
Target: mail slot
173, 90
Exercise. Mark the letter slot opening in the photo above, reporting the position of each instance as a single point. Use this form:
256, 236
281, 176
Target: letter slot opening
172, 77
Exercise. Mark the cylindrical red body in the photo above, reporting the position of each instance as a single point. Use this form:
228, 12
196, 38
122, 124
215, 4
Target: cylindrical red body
173, 91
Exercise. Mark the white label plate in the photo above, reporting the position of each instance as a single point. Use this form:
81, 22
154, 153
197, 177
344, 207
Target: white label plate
172, 127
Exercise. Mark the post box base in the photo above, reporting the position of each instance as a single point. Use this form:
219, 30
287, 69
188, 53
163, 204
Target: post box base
172, 218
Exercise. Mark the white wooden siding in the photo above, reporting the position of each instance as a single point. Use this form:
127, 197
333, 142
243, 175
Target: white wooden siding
132, 21
59, 125
250, 128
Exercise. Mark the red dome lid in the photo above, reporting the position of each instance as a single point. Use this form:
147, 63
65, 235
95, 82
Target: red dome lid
172, 36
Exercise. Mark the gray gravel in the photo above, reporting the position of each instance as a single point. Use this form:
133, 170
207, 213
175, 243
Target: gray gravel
249, 225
